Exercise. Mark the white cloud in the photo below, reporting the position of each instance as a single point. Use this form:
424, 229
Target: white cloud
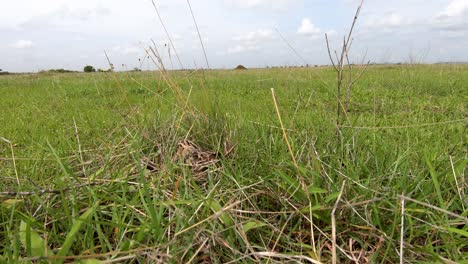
241, 49
256, 36
103, 17
307, 28
260, 3
388, 22
251, 41
132, 50
453, 18
23, 44
127, 50
236, 49
66, 16
456, 8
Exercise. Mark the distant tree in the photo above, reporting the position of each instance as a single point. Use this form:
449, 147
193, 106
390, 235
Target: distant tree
3, 72
89, 68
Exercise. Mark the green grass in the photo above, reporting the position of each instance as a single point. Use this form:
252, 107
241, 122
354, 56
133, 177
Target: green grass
101, 159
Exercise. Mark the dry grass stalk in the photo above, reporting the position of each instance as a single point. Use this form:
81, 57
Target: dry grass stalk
464, 218
216, 215
295, 258
199, 35
408, 126
286, 139
143, 251
119, 83
402, 231
181, 98
80, 152
13, 159
460, 189
167, 33
48, 191
198, 251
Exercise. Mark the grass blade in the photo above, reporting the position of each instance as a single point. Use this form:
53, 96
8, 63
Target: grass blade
72, 234
33, 242
252, 225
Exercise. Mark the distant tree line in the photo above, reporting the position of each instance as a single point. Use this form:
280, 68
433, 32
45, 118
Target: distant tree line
57, 71
89, 68
292, 66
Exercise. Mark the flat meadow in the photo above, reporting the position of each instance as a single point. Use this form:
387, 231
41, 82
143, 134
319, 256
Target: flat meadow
194, 166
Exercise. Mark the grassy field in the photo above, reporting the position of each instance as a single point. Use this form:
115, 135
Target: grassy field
123, 167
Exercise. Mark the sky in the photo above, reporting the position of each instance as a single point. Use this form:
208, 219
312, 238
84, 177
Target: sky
40, 35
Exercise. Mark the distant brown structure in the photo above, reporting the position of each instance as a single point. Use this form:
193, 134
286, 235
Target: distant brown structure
240, 67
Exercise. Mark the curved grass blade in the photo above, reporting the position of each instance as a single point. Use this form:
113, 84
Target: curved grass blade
72, 234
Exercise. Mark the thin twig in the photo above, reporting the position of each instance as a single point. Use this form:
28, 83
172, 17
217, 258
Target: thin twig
358, 11
402, 232
118, 260
281, 232
350, 84
329, 52
333, 219
435, 208
361, 73
312, 233
407, 126
48, 191
342, 107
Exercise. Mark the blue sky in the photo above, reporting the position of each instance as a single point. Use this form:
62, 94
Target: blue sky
38, 35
